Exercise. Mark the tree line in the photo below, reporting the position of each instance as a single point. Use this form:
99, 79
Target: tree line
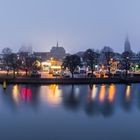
91, 59
15, 62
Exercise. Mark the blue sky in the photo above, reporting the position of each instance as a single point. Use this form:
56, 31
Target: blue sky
75, 24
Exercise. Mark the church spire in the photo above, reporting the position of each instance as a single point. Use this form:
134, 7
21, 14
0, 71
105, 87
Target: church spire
57, 45
127, 38
127, 46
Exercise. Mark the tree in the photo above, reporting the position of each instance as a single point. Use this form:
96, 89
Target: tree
6, 51
15, 63
25, 49
31, 63
71, 62
11, 60
6, 59
91, 59
108, 54
126, 56
36, 65
28, 62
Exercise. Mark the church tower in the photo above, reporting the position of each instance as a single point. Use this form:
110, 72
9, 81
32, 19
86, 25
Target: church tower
127, 46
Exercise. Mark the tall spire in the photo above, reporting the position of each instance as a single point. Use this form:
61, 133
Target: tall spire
57, 45
127, 37
127, 46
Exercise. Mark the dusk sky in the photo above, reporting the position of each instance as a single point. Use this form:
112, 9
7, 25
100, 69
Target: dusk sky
75, 24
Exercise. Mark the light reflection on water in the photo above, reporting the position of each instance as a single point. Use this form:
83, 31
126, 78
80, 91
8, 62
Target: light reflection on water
21, 94
16, 94
71, 95
102, 93
111, 93
42, 111
128, 92
51, 94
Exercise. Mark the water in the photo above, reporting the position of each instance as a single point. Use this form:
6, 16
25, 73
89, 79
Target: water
70, 112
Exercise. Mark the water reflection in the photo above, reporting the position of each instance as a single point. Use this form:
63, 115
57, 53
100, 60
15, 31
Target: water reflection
111, 93
71, 98
26, 94
16, 94
126, 98
51, 94
20, 93
102, 105
102, 93
92, 92
128, 92
94, 100
54, 95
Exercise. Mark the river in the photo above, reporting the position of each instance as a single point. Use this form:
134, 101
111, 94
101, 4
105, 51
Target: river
70, 112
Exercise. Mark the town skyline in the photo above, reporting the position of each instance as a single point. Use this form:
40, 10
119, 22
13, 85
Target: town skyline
29, 48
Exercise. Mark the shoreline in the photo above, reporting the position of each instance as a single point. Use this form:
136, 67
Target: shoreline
66, 81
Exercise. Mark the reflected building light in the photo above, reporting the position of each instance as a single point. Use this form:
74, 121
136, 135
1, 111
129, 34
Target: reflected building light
111, 93
89, 97
54, 95
102, 93
128, 92
16, 94
26, 94
23, 94
94, 92
77, 91
44, 90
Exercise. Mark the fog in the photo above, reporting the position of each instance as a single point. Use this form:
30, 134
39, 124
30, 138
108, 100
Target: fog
75, 24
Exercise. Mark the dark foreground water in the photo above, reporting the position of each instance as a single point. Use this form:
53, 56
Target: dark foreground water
70, 112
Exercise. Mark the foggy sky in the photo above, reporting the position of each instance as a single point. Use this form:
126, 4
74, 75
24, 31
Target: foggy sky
75, 24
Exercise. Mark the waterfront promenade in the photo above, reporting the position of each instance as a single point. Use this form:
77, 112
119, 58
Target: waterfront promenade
70, 80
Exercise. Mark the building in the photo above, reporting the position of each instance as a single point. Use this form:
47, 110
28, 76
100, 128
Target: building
43, 56
127, 46
58, 52
51, 65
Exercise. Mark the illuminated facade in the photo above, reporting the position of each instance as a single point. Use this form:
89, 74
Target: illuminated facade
51, 65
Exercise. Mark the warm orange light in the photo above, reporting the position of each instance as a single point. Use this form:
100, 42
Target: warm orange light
111, 92
128, 91
54, 95
102, 93
16, 94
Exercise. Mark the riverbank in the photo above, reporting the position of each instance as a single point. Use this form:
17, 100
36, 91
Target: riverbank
70, 80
